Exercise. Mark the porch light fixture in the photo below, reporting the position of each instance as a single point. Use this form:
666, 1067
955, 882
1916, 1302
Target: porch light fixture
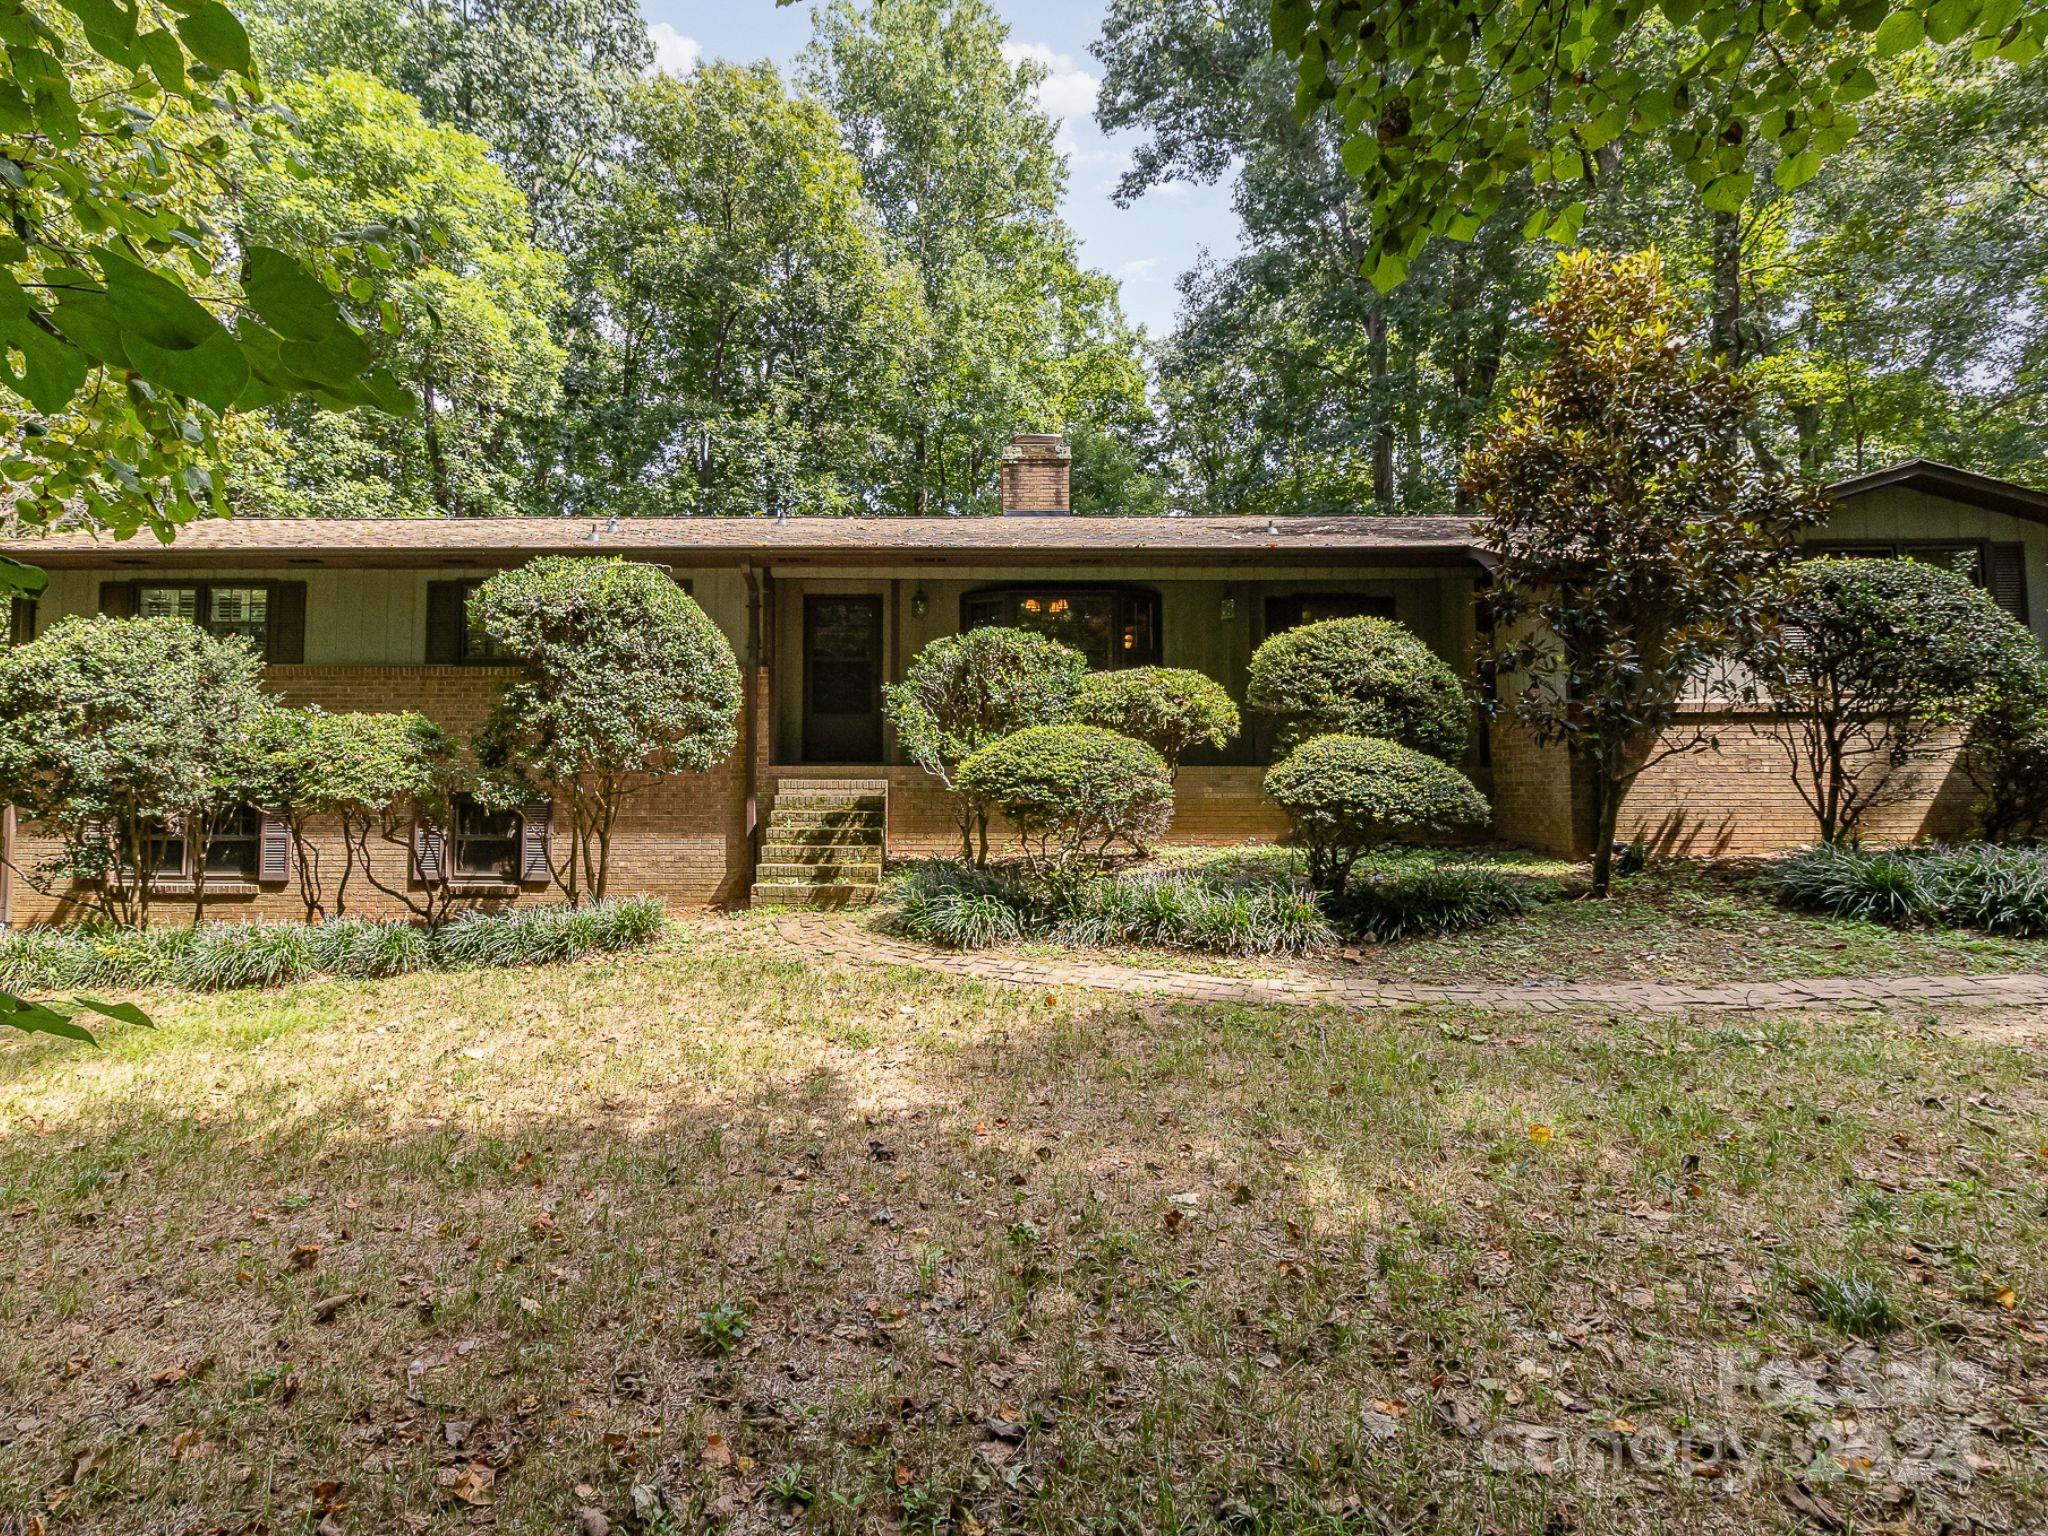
919, 604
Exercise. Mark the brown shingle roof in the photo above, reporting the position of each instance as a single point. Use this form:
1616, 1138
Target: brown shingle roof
714, 540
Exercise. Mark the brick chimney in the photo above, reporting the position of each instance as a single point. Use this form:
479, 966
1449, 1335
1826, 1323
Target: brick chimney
1035, 467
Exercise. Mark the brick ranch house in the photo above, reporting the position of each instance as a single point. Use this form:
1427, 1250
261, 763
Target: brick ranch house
821, 612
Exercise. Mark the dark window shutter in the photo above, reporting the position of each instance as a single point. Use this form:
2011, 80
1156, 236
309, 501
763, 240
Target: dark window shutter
117, 599
273, 851
535, 823
429, 853
21, 621
447, 621
2005, 573
285, 644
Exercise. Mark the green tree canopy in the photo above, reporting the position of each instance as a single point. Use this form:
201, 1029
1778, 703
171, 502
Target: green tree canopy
468, 315
1444, 104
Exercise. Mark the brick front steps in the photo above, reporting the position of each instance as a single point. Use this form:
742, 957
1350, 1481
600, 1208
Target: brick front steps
847, 940
822, 845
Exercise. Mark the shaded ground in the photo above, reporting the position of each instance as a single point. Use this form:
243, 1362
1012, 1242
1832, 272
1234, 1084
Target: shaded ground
1678, 922
840, 1248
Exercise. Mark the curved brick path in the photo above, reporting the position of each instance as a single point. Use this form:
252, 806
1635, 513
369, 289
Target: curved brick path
846, 938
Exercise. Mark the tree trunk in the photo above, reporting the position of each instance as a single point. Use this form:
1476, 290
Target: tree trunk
1606, 813
437, 463
1383, 417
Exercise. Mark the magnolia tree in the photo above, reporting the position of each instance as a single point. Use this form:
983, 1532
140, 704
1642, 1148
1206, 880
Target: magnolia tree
1632, 536
1878, 665
1170, 709
114, 734
624, 681
962, 692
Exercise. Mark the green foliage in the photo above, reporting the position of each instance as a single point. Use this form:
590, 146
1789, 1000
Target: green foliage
115, 293
1855, 1304
1446, 107
623, 681
766, 323
61, 1020
228, 955
1168, 708
962, 692
1403, 902
1072, 791
1343, 794
109, 727
959, 164
1877, 662
722, 1326
467, 317
1979, 886
2006, 755
960, 906
1633, 535
1360, 677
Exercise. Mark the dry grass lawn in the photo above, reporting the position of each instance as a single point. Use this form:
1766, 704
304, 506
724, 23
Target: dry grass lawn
713, 1237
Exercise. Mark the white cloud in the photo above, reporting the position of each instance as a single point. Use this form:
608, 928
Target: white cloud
674, 54
1173, 188
1067, 91
1140, 271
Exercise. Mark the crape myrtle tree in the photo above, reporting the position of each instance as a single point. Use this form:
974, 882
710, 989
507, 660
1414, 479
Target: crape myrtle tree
1879, 663
111, 731
962, 692
624, 681
389, 777
1633, 538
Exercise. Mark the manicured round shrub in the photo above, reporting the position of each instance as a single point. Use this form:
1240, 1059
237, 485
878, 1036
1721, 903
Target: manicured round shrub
1168, 708
1072, 791
1345, 793
1361, 677
962, 692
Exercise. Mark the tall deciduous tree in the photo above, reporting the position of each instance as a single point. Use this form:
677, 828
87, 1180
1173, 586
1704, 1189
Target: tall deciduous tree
1632, 535
760, 330
472, 311
960, 163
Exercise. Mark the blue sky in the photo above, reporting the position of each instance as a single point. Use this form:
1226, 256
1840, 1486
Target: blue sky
1144, 248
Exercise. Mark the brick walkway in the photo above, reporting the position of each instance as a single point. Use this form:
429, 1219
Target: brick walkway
844, 938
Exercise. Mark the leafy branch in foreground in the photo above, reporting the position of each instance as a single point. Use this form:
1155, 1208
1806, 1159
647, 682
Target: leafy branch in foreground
126, 336
1444, 103
35, 1018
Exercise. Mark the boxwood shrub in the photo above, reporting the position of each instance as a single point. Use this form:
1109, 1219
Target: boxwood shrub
1072, 791
1360, 677
1168, 708
1343, 794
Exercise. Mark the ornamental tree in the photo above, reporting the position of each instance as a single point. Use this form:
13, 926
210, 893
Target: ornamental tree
1446, 106
1072, 791
111, 734
624, 682
1878, 663
388, 777
1168, 708
1632, 537
1343, 794
962, 692
1360, 677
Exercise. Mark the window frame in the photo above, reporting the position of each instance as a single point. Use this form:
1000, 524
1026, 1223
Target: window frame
202, 590
452, 871
1011, 593
193, 868
1903, 549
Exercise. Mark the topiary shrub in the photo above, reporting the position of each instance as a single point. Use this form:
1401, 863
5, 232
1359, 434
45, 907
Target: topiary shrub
962, 692
1072, 791
1360, 677
1168, 708
1345, 793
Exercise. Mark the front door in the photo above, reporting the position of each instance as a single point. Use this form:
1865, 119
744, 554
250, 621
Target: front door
842, 679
